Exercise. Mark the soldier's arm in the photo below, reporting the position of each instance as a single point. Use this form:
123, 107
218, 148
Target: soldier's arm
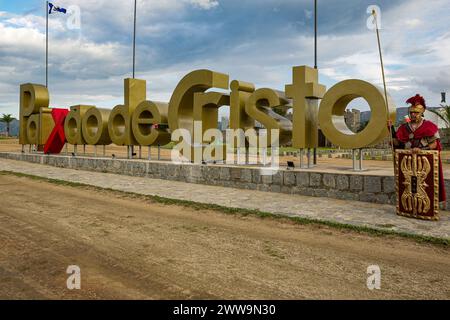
433, 145
430, 143
395, 141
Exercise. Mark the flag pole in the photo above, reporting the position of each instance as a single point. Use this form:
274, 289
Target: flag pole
46, 45
315, 34
134, 40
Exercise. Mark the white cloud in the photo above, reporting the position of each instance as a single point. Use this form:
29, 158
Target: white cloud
414, 23
89, 66
34, 22
204, 4
308, 14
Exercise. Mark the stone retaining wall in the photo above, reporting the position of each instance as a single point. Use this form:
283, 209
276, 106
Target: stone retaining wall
348, 186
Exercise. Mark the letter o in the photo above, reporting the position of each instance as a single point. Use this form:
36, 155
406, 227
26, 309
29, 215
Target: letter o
33, 129
332, 109
95, 126
73, 123
71, 128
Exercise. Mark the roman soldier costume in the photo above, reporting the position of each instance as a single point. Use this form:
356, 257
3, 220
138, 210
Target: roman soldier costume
420, 133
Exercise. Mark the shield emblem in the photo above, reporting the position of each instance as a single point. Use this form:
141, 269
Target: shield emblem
417, 184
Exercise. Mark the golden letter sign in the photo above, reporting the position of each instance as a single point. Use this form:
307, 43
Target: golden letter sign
143, 122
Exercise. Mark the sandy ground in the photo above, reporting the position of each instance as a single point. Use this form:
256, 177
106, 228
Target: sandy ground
131, 248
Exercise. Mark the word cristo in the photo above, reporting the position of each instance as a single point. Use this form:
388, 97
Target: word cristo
143, 122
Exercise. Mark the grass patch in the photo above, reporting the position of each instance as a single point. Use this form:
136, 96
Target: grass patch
244, 212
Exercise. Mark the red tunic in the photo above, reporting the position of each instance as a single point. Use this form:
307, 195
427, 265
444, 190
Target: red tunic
427, 129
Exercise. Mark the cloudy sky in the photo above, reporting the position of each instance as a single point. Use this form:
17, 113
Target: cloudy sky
251, 40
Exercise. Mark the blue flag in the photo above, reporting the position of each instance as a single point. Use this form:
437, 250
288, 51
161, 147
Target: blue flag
53, 8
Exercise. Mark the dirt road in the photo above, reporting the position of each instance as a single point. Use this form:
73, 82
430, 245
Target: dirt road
131, 248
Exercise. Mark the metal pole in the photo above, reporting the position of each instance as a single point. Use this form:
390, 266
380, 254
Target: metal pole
46, 45
361, 158
247, 155
264, 157
272, 156
308, 157
302, 165
149, 152
374, 13
315, 61
159, 152
315, 34
134, 39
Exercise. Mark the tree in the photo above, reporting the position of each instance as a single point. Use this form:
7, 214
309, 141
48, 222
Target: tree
7, 118
443, 113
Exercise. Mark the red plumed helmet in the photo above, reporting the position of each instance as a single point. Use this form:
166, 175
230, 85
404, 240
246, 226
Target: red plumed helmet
417, 100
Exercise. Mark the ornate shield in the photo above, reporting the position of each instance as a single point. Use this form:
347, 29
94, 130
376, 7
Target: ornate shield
417, 184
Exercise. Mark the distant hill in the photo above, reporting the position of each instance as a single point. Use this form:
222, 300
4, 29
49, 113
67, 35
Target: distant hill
401, 112
14, 127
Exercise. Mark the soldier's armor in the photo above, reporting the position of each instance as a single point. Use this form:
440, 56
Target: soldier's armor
418, 143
